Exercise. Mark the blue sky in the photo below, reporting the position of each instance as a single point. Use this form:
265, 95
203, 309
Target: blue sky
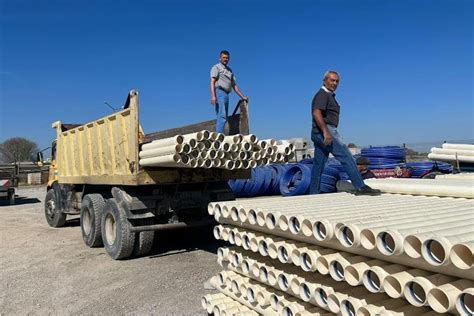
406, 66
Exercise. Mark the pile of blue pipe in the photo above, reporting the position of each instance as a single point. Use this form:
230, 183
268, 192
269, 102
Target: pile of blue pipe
387, 157
421, 168
287, 179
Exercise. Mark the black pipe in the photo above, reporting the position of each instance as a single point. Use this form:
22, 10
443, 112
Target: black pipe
162, 227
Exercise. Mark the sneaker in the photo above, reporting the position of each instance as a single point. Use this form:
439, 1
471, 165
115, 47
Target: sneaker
366, 190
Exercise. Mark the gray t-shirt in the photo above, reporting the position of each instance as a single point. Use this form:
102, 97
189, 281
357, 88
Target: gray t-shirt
224, 76
327, 103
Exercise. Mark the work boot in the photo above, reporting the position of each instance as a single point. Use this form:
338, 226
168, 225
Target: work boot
366, 190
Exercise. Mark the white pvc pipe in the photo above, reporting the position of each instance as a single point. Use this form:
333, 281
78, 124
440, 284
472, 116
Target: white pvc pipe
220, 155
390, 242
207, 163
262, 144
263, 311
335, 299
461, 255
168, 160
458, 146
436, 250
337, 266
212, 304
161, 151
229, 164
192, 163
465, 302
451, 157
413, 244
251, 138
211, 297
353, 273
238, 164
350, 305
234, 148
447, 151
458, 176
232, 139
374, 276
199, 136
245, 146
328, 255
443, 298
422, 187
253, 164
178, 139
216, 163
254, 155
394, 284
416, 290
217, 136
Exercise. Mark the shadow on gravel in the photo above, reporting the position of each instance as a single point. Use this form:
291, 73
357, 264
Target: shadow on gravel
184, 240
73, 222
21, 201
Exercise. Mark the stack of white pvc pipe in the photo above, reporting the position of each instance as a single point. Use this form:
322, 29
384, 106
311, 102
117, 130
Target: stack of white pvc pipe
206, 149
340, 253
453, 152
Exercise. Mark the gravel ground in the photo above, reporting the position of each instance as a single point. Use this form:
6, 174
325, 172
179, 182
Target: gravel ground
45, 270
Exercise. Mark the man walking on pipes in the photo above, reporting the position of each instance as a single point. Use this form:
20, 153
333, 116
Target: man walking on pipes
325, 112
222, 83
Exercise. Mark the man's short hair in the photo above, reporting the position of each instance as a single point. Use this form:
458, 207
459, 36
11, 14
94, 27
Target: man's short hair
224, 52
362, 161
326, 74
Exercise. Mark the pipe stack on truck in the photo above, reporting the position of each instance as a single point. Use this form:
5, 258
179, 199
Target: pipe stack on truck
95, 173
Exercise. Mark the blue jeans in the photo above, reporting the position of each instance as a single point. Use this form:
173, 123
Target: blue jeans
222, 109
340, 152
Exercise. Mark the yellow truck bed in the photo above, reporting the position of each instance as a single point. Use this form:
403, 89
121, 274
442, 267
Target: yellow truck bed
105, 152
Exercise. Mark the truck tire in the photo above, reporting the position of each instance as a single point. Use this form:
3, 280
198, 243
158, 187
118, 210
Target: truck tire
91, 212
116, 235
54, 216
143, 242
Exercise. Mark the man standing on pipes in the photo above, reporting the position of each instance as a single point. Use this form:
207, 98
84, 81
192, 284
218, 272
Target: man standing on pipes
222, 83
325, 113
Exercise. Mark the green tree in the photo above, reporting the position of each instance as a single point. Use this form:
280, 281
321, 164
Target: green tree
18, 149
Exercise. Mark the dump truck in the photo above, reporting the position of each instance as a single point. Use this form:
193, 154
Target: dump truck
95, 173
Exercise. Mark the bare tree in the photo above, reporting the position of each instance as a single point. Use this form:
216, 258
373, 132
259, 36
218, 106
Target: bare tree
17, 149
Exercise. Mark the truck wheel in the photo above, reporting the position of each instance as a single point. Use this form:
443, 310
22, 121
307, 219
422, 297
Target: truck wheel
54, 216
116, 235
143, 242
91, 211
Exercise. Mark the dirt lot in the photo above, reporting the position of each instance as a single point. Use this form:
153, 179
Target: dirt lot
44, 270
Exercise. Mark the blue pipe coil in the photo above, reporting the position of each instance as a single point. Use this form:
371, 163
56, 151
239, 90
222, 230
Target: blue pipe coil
383, 161
393, 152
299, 174
280, 170
386, 166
